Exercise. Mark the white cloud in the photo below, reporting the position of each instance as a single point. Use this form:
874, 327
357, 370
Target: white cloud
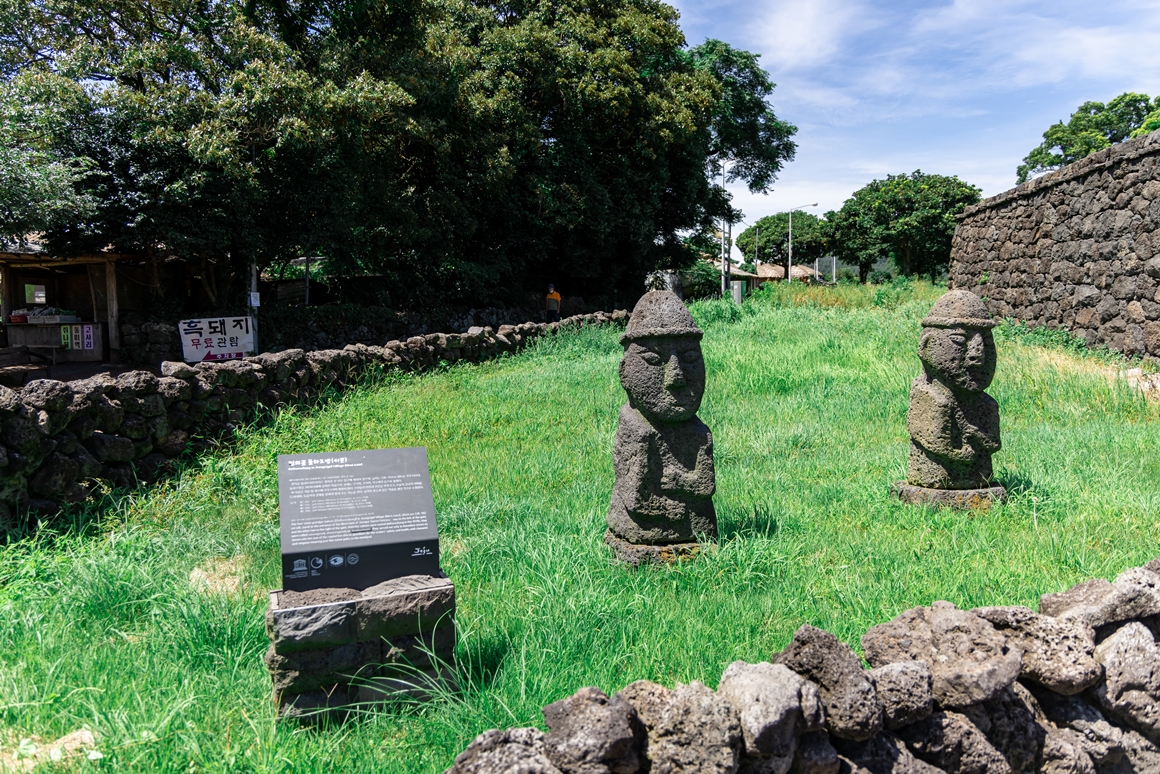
796, 36
960, 87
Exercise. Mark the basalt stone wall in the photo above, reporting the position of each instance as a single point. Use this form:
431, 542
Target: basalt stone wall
147, 342
1072, 689
57, 439
1078, 248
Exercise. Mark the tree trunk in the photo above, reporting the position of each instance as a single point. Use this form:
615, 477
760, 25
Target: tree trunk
155, 272
208, 281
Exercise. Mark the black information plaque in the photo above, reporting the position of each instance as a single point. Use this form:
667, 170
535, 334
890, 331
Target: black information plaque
356, 518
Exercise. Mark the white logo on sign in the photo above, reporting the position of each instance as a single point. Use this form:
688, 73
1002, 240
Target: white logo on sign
422, 551
316, 562
336, 560
299, 565
352, 558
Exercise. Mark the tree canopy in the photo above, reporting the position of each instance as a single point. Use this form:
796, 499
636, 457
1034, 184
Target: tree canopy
465, 149
810, 239
907, 218
1094, 126
747, 137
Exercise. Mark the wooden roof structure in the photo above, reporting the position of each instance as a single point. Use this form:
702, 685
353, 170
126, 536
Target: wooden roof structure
31, 255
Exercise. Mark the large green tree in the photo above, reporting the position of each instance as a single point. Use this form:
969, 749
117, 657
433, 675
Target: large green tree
748, 137
907, 218
465, 149
767, 240
1094, 126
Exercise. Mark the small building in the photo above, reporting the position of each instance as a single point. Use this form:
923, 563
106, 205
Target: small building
63, 308
737, 274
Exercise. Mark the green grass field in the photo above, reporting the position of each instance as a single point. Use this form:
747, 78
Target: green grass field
102, 627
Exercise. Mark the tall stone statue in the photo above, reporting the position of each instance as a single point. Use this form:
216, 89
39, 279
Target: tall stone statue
953, 423
663, 456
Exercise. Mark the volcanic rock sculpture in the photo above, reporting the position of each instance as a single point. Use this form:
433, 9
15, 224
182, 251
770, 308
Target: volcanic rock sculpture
663, 456
953, 423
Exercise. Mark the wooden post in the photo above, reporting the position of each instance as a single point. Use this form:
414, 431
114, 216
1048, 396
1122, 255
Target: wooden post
5, 292
114, 325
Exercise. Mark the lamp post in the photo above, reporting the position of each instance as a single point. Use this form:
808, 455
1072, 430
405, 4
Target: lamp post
789, 268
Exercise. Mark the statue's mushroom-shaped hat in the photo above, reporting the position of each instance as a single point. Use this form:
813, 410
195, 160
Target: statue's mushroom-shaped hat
660, 313
959, 309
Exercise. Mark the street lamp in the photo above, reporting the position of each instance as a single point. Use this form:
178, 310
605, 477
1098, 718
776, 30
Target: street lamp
789, 268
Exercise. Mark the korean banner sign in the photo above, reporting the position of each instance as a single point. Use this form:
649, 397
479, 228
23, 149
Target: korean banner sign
222, 338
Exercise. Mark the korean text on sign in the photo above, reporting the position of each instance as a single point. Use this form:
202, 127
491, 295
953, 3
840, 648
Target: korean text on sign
220, 338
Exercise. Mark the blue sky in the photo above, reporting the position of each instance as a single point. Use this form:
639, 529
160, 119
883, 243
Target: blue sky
957, 88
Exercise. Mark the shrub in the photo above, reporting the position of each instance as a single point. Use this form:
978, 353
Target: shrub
701, 281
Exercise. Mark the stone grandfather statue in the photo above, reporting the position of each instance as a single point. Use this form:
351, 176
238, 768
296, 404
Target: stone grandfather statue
953, 423
663, 455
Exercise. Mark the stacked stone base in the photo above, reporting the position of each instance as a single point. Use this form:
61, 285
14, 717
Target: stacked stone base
636, 554
959, 499
333, 649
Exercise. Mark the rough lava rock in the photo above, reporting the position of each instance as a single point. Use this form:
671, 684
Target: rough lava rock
883, 754
1099, 739
1057, 653
1014, 724
969, 660
698, 732
1099, 603
590, 733
514, 751
1131, 687
952, 743
905, 689
815, 755
853, 708
775, 706
47, 395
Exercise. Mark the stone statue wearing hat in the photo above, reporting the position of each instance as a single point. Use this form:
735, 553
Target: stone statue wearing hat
663, 455
953, 423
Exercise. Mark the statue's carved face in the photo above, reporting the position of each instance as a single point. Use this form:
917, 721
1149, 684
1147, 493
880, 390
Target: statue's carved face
664, 377
962, 358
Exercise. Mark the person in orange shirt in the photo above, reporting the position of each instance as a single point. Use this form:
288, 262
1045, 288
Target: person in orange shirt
552, 305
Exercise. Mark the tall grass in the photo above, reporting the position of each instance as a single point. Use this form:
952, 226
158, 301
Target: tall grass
807, 400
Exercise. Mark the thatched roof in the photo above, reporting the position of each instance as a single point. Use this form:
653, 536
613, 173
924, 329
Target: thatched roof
734, 271
777, 271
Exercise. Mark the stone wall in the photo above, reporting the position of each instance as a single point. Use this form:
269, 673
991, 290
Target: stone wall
1072, 689
58, 438
1077, 248
147, 342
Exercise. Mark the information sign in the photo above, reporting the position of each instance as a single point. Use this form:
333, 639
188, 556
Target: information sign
357, 518
222, 338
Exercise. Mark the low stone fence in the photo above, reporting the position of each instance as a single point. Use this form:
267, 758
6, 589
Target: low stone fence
58, 438
1072, 689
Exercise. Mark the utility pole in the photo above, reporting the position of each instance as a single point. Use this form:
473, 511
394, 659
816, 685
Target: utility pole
254, 301
729, 263
789, 266
757, 244
724, 259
